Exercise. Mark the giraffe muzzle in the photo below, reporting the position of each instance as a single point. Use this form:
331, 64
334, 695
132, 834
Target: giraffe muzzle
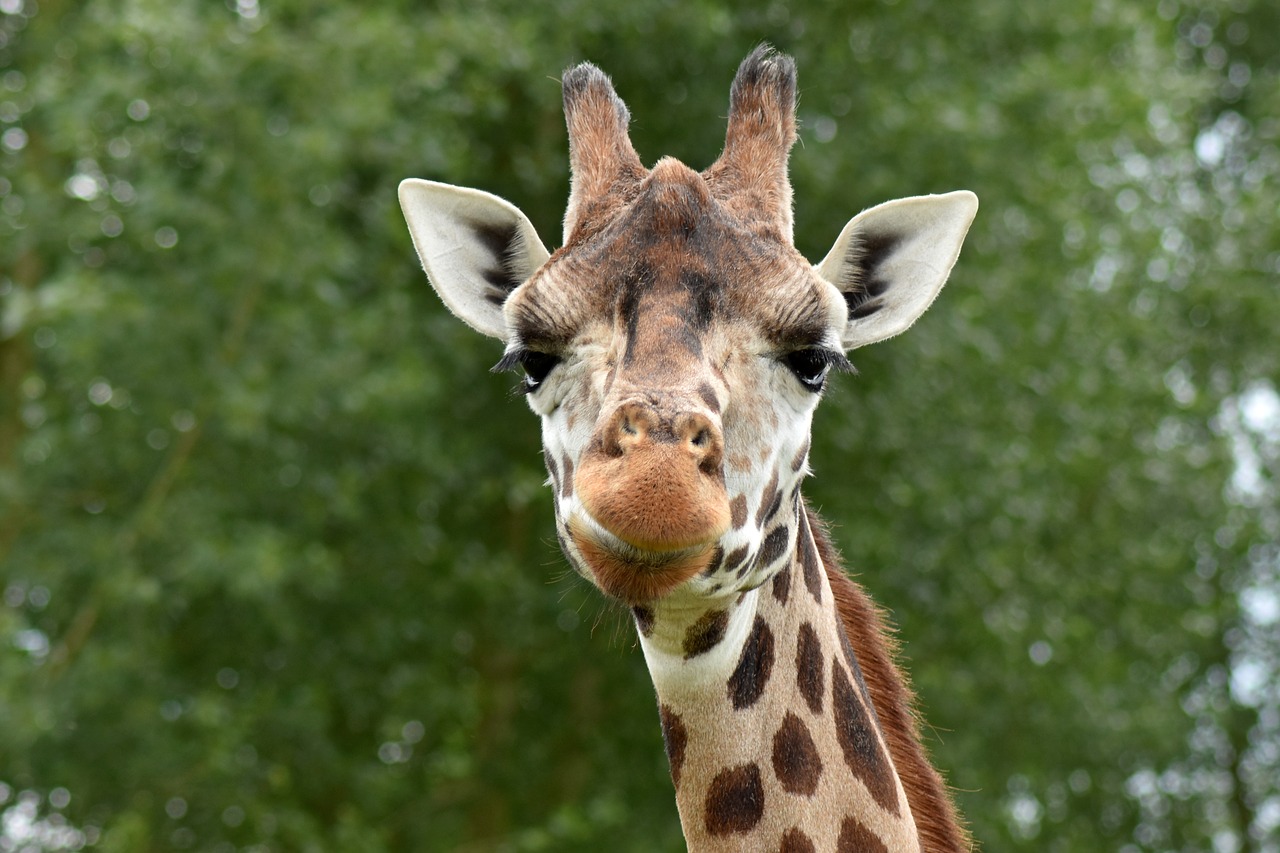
653, 487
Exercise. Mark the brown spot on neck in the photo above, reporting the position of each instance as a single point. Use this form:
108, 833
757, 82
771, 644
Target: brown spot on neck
856, 734
735, 801
795, 757
774, 546
795, 841
782, 584
675, 737
706, 633
809, 559
755, 665
810, 668
734, 560
856, 838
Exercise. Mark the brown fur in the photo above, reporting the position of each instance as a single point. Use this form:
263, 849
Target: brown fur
639, 581
653, 499
601, 157
751, 174
876, 650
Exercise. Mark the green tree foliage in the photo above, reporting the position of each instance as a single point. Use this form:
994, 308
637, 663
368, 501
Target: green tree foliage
275, 555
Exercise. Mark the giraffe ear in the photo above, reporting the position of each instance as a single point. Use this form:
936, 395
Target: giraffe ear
889, 262
475, 247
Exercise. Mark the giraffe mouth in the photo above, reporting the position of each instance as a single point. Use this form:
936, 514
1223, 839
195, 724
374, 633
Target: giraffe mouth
633, 573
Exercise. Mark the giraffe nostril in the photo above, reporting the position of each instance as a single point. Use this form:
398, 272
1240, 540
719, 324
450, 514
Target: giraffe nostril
702, 441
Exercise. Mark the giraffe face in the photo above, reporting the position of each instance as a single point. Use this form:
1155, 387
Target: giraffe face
676, 345
675, 358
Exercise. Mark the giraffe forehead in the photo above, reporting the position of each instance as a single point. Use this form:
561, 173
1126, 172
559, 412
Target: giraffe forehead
669, 261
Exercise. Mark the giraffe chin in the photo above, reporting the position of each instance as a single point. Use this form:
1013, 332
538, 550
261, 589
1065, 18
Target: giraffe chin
635, 575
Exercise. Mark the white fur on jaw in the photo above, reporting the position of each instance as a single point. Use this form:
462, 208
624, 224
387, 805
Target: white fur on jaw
662, 648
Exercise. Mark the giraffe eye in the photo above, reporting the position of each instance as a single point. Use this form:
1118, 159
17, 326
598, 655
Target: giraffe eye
537, 365
811, 366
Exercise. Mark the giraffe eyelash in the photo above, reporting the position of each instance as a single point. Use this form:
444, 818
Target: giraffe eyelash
537, 366
509, 361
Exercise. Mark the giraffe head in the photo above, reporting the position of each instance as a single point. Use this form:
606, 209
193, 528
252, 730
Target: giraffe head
677, 344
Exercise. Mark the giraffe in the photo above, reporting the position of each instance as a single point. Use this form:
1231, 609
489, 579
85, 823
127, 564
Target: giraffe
675, 348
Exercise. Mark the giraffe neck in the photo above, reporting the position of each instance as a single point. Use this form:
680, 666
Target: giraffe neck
772, 733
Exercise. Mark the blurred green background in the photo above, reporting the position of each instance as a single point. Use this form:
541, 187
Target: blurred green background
277, 564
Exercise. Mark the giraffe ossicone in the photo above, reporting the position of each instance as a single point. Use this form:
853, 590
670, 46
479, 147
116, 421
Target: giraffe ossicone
675, 347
